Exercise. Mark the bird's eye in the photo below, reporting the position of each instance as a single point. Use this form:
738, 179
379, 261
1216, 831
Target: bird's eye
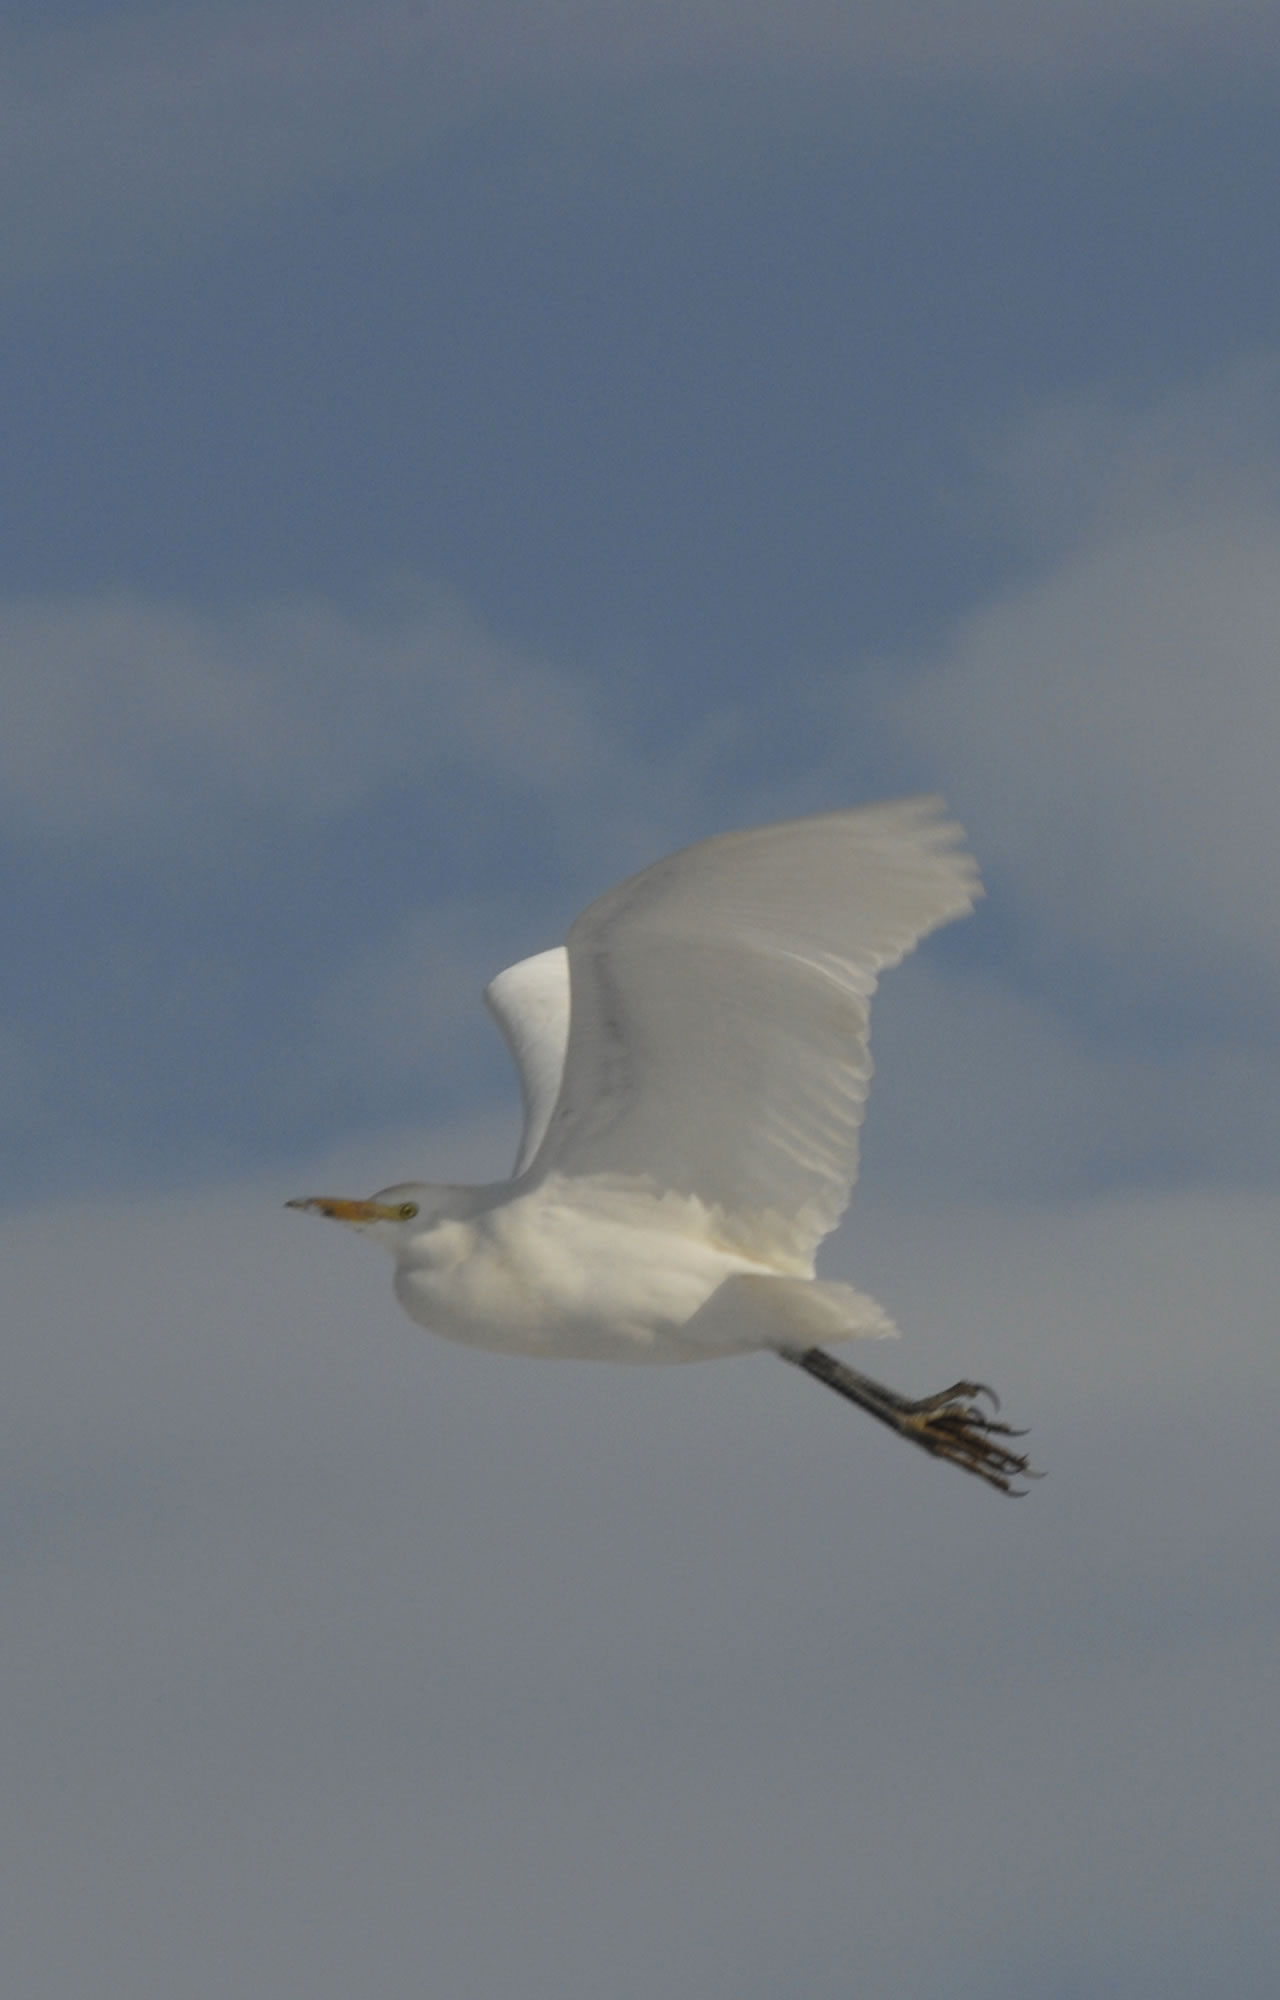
408, 1209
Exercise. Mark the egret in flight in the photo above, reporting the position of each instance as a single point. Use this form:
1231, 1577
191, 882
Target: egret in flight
694, 1065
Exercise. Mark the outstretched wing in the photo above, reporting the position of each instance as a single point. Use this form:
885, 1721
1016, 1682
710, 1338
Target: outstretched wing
530, 1003
719, 1036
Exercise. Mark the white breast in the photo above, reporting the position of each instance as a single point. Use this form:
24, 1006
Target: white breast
596, 1270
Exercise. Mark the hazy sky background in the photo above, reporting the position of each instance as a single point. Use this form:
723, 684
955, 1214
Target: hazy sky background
454, 454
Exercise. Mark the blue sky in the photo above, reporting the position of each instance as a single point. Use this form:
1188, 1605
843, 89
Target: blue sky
454, 455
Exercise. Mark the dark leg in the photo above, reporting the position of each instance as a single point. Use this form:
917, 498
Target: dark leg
950, 1425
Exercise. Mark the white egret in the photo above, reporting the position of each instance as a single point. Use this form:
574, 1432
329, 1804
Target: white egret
694, 1065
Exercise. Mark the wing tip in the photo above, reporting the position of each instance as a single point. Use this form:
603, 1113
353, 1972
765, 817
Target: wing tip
925, 824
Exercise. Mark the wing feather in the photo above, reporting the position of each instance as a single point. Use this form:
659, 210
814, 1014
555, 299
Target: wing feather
530, 1003
718, 1042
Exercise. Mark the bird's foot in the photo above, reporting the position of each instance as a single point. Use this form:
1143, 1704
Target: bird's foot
954, 1426
950, 1425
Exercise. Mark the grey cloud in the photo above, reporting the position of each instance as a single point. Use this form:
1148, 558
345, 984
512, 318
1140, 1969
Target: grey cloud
127, 712
1108, 733
1091, 468
336, 1656
982, 1087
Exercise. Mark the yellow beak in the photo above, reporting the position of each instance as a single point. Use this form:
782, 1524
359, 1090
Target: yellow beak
346, 1211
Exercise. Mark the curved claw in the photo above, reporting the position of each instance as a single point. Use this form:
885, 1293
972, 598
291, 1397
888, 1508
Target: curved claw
958, 1393
961, 1434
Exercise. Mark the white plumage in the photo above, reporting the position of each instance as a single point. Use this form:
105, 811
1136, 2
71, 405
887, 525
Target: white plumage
530, 1003
694, 1066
